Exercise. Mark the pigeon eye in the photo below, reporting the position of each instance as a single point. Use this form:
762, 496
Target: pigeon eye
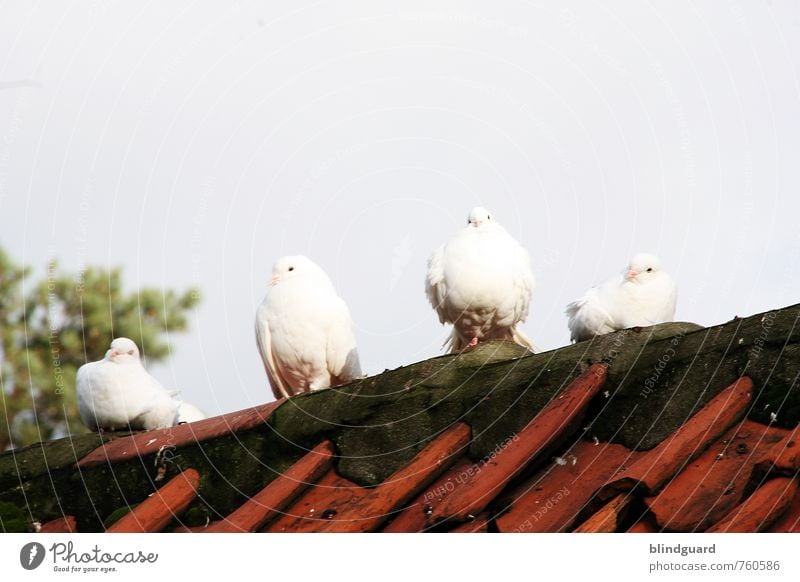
649, 269
130, 352
291, 268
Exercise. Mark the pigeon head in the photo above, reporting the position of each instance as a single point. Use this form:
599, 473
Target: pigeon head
478, 216
642, 268
290, 267
123, 350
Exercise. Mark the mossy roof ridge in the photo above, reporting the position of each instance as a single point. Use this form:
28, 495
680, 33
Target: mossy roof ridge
658, 377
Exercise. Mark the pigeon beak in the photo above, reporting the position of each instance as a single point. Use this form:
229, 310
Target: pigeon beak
631, 275
477, 223
112, 353
274, 281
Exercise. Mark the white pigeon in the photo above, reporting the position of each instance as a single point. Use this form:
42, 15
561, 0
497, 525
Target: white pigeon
304, 331
642, 295
481, 282
189, 413
118, 393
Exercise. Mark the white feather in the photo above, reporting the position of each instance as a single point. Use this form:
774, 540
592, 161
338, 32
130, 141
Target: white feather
481, 282
118, 393
189, 413
645, 295
304, 331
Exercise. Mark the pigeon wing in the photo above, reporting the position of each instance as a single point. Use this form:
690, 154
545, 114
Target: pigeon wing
280, 388
83, 388
670, 302
588, 317
435, 287
524, 283
341, 353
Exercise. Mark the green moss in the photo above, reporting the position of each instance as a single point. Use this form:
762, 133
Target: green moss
116, 515
198, 514
779, 387
22, 464
13, 519
672, 378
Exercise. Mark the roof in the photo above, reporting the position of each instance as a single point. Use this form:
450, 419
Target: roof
669, 428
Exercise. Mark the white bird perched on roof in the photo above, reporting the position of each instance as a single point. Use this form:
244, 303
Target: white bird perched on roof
118, 393
481, 282
304, 331
642, 295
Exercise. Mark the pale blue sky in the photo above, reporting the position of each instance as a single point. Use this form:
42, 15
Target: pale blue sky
194, 143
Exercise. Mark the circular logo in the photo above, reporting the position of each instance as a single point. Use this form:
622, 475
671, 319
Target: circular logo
31, 555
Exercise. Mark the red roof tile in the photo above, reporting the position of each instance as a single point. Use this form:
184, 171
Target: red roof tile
479, 525
607, 520
66, 524
155, 512
367, 512
653, 470
149, 442
784, 456
789, 522
714, 483
552, 500
761, 509
317, 503
268, 503
559, 417
415, 517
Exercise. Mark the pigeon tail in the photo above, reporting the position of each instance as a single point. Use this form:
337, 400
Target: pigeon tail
520, 338
455, 343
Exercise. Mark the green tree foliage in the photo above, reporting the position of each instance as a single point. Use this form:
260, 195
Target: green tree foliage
50, 327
